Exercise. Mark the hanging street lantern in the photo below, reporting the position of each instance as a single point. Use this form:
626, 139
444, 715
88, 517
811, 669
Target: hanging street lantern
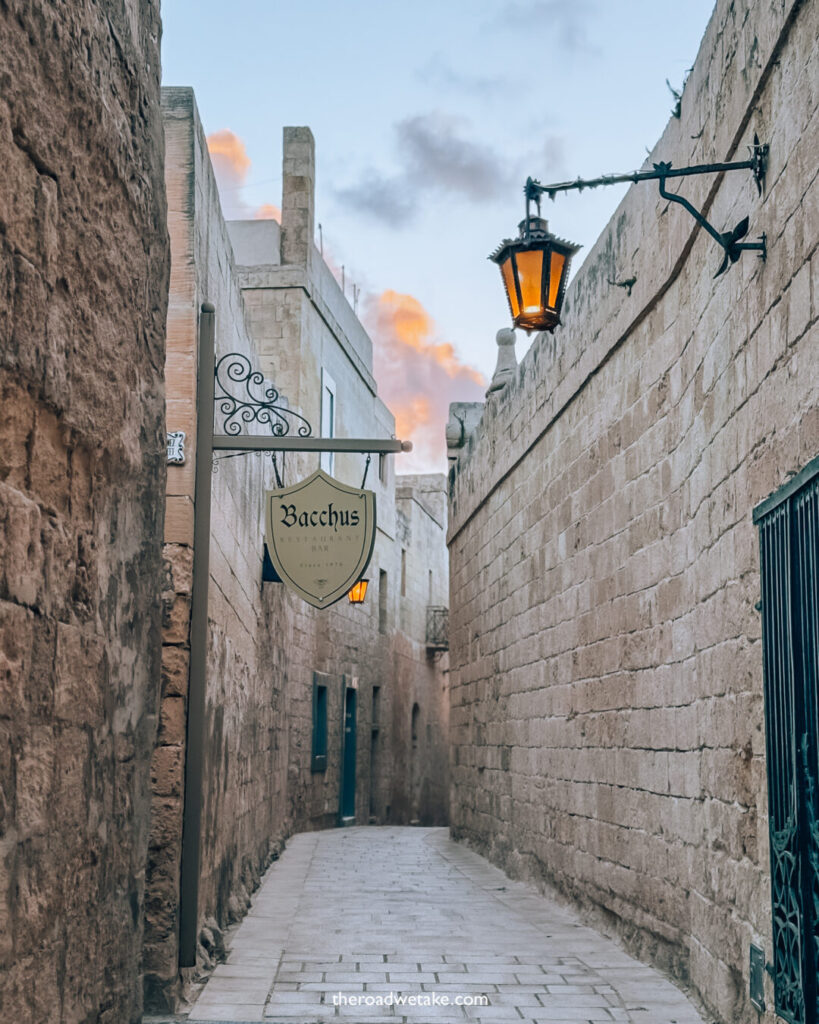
358, 592
535, 265
534, 269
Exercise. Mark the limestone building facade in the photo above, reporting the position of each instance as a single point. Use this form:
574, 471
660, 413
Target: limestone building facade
282, 678
607, 685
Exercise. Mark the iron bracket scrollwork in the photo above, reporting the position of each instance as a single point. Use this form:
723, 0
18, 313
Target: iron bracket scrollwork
729, 241
259, 403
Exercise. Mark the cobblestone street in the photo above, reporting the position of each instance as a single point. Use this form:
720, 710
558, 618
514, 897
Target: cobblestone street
373, 911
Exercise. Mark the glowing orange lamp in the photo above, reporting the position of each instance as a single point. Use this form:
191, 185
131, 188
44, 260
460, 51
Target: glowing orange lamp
358, 592
535, 268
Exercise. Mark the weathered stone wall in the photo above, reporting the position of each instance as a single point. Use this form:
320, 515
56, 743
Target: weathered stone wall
264, 643
83, 292
607, 718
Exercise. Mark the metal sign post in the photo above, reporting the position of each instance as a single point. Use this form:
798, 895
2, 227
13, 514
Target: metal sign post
260, 403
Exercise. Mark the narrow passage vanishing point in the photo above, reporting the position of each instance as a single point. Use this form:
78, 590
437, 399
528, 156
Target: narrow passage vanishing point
375, 912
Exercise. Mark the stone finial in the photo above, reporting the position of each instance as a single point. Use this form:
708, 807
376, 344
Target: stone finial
464, 417
455, 431
298, 195
507, 363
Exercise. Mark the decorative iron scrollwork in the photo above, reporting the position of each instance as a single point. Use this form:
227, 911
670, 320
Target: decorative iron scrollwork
812, 852
258, 404
787, 924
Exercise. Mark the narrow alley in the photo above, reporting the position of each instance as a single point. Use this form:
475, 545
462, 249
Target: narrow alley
398, 592
352, 919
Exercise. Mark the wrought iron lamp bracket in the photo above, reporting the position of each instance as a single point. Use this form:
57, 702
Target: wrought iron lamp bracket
260, 402
729, 241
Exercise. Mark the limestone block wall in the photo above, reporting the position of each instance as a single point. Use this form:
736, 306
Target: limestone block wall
83, 293
606, 669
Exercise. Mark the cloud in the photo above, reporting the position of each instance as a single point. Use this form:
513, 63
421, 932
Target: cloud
562, 21
230, 166
392, 200
418, 376
228, 153
438, 73
443, 161
267, 211
436, 158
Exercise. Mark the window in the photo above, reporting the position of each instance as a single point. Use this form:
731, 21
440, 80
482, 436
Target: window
328, 417
789, 576
382, 601
318, 762
376, 706
403, 572
382, 468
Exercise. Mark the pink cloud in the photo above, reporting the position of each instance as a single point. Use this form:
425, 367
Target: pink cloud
231, 165
267, 211
418, 376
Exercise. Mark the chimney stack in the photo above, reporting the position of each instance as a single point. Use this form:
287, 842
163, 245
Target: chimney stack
298, 195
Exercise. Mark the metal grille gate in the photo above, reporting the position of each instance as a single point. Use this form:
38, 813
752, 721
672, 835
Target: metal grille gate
789, 561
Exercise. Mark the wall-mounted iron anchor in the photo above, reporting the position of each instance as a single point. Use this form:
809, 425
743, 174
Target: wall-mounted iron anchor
729, 241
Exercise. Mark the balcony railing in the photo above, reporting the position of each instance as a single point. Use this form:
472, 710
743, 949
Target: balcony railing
437, 627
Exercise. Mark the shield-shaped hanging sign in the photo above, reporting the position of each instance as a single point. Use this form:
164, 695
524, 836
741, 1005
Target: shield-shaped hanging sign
320, 535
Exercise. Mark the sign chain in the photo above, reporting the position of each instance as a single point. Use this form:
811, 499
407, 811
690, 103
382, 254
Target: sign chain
276, 469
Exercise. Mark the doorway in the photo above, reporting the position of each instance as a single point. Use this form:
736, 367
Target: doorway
375, 722
415, 767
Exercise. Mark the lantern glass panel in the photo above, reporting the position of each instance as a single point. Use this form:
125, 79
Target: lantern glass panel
530, 271
509, 284
555, 274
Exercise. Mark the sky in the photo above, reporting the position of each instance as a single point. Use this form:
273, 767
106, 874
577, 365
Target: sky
428, 118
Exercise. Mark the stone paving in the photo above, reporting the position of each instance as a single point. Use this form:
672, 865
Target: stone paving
396, 913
